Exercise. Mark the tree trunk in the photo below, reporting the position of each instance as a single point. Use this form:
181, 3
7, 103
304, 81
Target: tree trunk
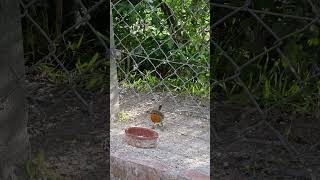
14, 142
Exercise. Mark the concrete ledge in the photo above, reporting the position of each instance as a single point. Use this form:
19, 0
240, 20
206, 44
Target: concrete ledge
129, 168
193, 174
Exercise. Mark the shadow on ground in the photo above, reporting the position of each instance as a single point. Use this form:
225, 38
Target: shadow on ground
72, 140
259, 153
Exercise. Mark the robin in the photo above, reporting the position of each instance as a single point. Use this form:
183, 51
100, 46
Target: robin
156, 117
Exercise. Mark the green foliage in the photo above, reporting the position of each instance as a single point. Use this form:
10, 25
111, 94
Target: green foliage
146, 29
36, 169
53, 73
181, 85
166, 38
80, 51
270, 78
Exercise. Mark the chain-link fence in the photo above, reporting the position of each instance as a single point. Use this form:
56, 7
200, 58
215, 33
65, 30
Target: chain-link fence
264, 80
265, 93
58, 60
162, 58
163, 53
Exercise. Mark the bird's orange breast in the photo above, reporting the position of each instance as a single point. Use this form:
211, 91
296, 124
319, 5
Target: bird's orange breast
155, 117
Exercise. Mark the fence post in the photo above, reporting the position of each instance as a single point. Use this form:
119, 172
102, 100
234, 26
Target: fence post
14, 141
114, 91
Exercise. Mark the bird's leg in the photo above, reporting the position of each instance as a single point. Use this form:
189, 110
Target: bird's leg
162, 127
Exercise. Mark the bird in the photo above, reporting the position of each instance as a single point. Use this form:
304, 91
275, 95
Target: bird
156, 117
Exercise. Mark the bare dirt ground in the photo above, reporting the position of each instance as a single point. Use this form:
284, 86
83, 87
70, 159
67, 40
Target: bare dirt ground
259, 154
72, 141
183, 143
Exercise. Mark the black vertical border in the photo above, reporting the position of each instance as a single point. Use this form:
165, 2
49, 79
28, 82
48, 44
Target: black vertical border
211, 78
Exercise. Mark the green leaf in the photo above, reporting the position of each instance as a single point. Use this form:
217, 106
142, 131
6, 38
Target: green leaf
314, 42
154, 19
92, 82
79, 42
267, 90
93, 60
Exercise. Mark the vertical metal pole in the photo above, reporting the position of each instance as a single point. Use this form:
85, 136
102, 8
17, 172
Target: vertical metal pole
114, 90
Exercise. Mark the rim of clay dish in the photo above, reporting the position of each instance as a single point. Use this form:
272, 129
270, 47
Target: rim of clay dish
147, 133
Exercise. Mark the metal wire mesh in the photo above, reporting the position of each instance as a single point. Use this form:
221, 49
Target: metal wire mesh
259, 134
158, 58
65, 46
162, 58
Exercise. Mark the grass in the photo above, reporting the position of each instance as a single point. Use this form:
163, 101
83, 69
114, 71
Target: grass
271, 84
198, 87
80, 57
123, 117
268, 79
36, 169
